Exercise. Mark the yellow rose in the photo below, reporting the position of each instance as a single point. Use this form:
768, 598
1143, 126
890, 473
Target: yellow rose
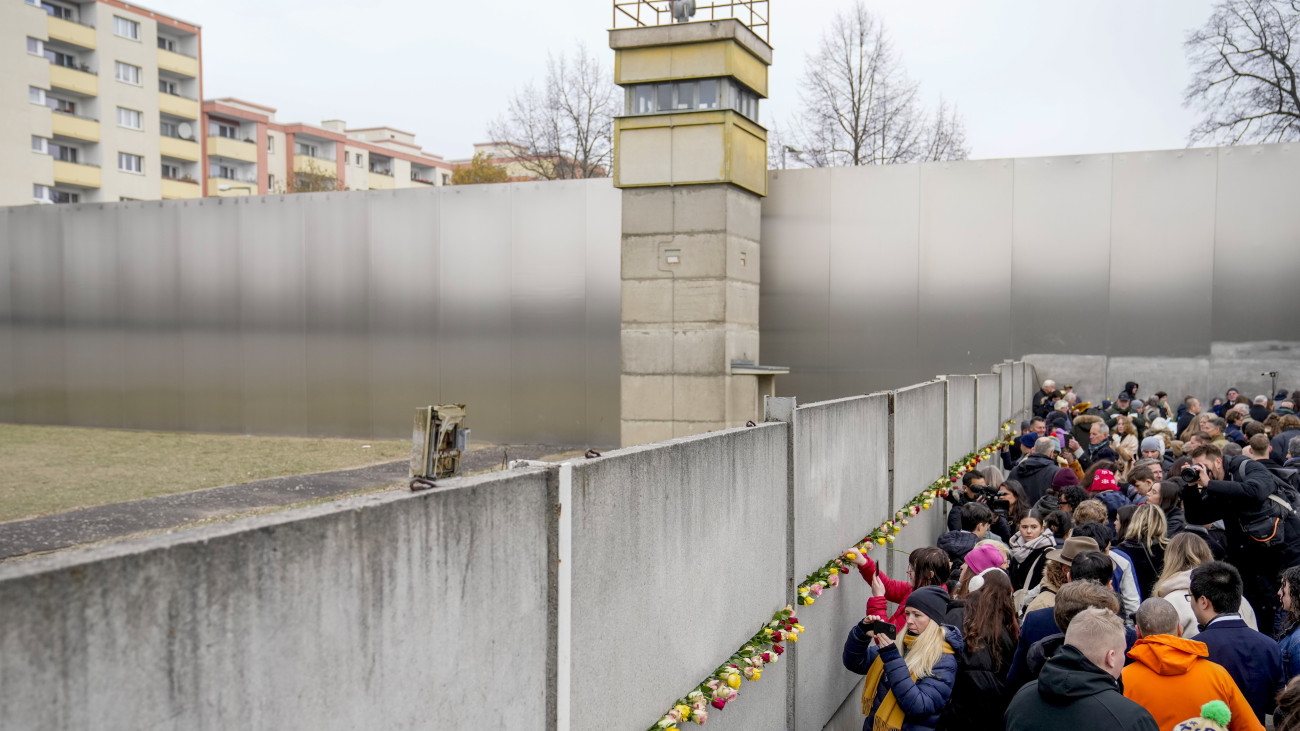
889, 538
733, 680
834, 571
757, 674
881, 541
850, 556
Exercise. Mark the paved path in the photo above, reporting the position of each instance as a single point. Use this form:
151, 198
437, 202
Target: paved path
89, 525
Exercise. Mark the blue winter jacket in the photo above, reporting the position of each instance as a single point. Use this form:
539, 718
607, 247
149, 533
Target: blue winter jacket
922, 700
1290, 648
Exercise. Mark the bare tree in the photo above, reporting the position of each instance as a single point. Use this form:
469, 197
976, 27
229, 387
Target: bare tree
565, 129
860, 108
1245, 62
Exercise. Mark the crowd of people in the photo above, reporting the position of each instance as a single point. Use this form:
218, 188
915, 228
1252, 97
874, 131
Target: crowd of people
1123, 565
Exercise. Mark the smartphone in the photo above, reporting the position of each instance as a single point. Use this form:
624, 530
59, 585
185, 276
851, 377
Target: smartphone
883, 628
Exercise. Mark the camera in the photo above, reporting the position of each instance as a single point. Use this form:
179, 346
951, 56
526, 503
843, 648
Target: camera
989, 496
1189, 474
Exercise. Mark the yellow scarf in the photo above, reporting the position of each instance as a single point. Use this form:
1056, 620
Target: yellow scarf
890, 716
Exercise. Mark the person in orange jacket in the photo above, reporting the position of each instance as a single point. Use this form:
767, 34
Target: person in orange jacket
1173, 678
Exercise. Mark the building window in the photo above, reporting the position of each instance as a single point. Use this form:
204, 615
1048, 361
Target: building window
694, 95
270, 182
168, 129
57, 11
36, 46
35, 95
446, 179
128, 73
130, 118
40, 193
62, 153
270, 143
58, 196
62, 106
221, 129
39, 144
166, 44
128, 163
216, 170
126, 28
168, 87
171, 171
302, 148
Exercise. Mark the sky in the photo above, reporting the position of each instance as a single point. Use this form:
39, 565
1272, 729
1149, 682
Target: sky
1030, 78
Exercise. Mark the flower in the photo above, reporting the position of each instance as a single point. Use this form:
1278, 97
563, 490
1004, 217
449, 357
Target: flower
695, 697
718, 703
850, 555
700, 717
733, 680
793, 637
888, 538
816, 590
881, 541
834, 571
668, 722
835, 580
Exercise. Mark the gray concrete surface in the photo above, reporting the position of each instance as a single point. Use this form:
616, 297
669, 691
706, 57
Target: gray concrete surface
961, 417
841, 491
918, 460
395, 610
108, 522
988, 390
678, 558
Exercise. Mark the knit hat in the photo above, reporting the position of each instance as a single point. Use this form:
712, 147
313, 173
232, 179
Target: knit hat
1154, 444
1027, 440
977, 581
1215, 715
930, 601
1103, 481
1065, 477
984, 557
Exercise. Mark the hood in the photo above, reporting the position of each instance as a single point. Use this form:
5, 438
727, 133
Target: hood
1033, 464
957, 543
1086, 420
954, 638
1181, 581
1167, 654
1069, 676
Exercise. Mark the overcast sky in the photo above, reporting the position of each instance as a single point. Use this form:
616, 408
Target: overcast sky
1029, 77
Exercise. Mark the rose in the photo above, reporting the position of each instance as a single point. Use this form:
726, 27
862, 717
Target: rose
778, 649
816, 590
700, 717
668, 721
695, 697
718, 703
835, 580
733, 680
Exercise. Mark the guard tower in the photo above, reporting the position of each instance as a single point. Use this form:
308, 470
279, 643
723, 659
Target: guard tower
691, 158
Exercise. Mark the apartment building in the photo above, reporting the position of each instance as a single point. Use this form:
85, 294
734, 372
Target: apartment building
250, 153
100, 103
516, 161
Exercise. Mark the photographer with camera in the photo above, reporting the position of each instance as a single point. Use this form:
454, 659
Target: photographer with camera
1263, 526
975, 489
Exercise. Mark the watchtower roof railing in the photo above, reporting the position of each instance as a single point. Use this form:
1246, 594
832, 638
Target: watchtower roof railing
755, 14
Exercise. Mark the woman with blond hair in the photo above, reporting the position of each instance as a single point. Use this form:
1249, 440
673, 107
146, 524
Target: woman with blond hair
1124, 441
910, 678
1185, 552
1144, 542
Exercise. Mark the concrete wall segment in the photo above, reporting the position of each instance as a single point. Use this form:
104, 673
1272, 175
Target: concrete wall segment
919, 419
961, 417
664, 536
325, 617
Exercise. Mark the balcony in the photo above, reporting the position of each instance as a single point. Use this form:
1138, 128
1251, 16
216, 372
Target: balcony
235, 187
421, 183
176, 188
74, 80
178, 63
381, 181
233, 149
179, 149
78, 128
177, 106
66, 31
76, 174
317, 165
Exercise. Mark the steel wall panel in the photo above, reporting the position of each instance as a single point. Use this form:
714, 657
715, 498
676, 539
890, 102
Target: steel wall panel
40, 382
872, 279
1257, 231
474, 338
273, 315
987, 401
1163, 212
404, 307
794, 300
965, 264
1060, 264
6, 317
208, 281
150, 317
604, 302
548, 312
92, 341
337, 227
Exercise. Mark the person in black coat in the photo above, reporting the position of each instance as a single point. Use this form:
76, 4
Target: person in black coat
1036, 472
1045, 397
1253, 660
1078, 687
1240, 491
980, 695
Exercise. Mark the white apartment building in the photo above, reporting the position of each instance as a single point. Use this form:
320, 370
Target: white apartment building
98, 103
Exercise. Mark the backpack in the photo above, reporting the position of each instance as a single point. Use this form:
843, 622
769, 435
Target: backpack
1269, 527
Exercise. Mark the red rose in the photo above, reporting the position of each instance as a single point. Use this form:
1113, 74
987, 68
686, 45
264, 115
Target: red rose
778, 649
719, 704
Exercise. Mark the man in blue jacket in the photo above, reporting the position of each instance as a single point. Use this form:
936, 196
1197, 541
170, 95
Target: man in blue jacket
1251, 658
